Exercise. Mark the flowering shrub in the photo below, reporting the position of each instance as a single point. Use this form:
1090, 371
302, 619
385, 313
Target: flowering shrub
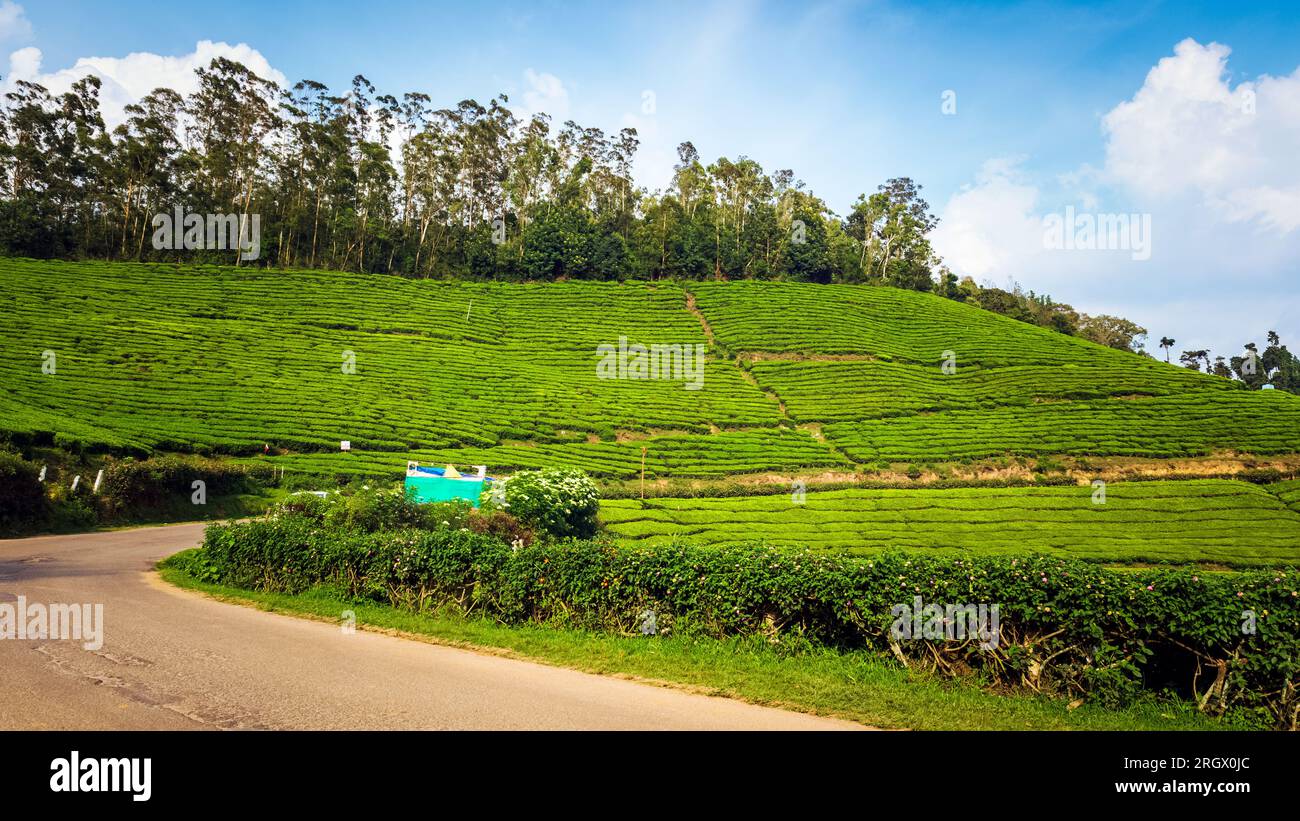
560, 502
1067, 627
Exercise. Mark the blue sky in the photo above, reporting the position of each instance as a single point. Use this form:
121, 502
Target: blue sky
1057, 104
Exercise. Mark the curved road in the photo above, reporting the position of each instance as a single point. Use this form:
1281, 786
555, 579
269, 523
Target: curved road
176, 660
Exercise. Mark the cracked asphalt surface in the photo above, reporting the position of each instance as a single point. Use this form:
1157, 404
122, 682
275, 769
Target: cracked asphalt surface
172, 659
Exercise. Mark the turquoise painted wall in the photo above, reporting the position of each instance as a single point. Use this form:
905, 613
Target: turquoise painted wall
441, 489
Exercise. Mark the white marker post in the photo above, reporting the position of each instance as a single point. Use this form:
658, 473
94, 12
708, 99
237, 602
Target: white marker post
99, 477
76, 480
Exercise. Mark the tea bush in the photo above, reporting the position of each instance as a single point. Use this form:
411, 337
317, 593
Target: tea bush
1209, 521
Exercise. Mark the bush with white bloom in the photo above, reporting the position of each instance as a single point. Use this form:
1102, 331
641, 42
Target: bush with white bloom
560, 502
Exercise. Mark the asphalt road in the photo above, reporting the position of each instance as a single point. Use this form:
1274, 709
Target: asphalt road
176, 660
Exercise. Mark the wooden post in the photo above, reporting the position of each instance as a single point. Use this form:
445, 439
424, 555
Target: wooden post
643, 450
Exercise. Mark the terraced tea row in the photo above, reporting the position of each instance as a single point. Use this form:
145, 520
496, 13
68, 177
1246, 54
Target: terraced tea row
229, 359
666, 456
887, 323
1288, 492
1261, 422
829, 391
1205, 521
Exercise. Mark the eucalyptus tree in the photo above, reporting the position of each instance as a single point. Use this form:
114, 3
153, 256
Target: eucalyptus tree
144, 154
230, 118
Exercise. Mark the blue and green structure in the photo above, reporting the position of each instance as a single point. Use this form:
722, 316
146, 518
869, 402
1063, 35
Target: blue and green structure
445, 484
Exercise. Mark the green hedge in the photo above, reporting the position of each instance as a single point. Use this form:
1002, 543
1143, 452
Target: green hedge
1067, 627
132, 489
132, 485
22, 497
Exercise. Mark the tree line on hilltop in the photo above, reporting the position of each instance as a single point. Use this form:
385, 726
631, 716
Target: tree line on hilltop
1275, 366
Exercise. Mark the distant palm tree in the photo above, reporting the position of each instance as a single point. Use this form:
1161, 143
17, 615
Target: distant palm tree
1166, 343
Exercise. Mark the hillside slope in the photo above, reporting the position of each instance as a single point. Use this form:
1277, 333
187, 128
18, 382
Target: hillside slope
208, 359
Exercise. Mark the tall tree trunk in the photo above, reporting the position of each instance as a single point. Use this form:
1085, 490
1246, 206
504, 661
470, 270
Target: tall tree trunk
243, 220
126, 215
315, 224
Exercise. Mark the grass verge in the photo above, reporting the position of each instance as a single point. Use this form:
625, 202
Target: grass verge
859, 687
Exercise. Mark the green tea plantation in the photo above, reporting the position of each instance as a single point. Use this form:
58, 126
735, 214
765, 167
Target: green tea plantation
895, 410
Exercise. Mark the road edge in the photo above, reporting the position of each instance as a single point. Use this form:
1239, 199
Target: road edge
154, 578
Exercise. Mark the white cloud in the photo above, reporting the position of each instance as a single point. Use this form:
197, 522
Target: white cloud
1187, 132
1222, 187
24, 64
127, 79
14, 24
545, 93
989, 228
